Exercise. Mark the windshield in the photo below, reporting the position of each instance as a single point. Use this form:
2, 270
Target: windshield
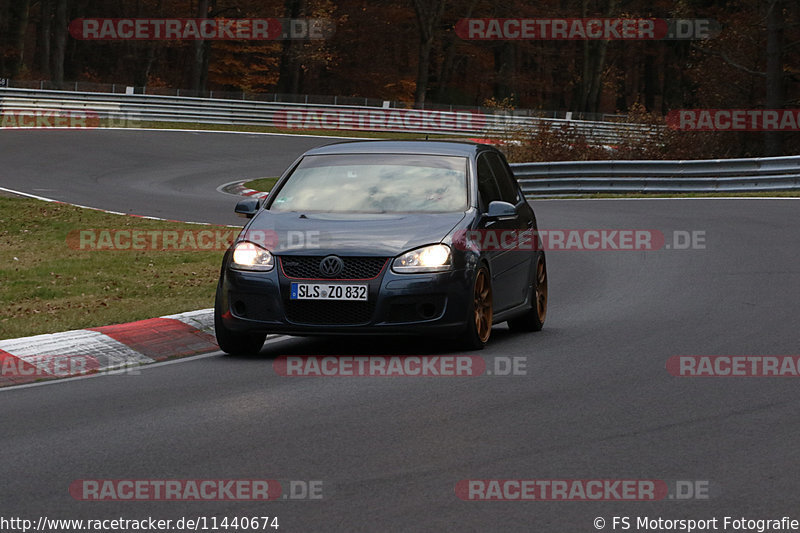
375, 183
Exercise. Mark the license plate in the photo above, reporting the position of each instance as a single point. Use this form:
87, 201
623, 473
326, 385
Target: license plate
326, 291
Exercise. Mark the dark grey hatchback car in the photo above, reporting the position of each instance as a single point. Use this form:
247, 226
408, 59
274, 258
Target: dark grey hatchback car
385, 237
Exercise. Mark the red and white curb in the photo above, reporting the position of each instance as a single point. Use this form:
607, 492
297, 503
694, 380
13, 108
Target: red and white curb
237, 188
109, 348
106, 348
252, 192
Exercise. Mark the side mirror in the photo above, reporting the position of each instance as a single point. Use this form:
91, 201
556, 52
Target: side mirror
498, 209
248, 207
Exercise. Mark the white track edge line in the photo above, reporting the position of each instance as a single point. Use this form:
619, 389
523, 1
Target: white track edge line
122, 371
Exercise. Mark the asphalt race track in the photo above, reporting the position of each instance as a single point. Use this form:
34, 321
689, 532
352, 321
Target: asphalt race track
596, 403
162, 174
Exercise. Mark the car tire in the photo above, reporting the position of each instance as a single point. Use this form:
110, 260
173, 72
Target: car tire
533, 319
479, 325
234, 342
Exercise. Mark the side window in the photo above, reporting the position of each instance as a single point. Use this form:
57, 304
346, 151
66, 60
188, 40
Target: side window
487, 186
505, 181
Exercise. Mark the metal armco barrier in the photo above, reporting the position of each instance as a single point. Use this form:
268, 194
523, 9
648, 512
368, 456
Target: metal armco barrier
129, 108
712, 175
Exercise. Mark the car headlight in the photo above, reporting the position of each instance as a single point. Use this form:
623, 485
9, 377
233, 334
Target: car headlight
249, 256
434, 258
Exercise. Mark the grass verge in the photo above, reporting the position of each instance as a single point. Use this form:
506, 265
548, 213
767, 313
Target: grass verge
262, 184
46, 285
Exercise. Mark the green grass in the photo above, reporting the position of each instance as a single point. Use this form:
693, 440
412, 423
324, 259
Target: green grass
269, 129
262, 184
46, 285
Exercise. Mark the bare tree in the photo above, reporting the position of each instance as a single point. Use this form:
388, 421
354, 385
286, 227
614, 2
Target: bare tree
13, 25
594, 62
59, 43
289, 71
774, 84
201, 50
429, 13
45, 26
450, 45
774, 76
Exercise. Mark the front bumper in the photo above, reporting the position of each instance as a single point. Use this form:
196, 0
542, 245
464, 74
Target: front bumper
424, 304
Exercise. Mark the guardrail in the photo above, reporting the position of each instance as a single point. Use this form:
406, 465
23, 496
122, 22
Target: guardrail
712, 175
137, 107
329, 99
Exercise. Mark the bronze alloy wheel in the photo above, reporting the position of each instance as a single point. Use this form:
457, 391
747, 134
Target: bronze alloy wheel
482, 305
533, 319
541, 289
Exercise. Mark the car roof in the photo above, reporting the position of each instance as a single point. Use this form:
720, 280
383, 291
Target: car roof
445, 148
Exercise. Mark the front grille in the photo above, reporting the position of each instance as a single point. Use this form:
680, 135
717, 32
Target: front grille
307, 267
322, 312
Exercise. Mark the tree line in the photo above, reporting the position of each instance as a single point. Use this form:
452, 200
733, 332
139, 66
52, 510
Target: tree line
410, 50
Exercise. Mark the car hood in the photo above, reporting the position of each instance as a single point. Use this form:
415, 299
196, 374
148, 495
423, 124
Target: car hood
348, 234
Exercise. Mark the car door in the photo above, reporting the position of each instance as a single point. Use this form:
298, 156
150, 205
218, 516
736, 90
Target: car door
520, 259
509, 267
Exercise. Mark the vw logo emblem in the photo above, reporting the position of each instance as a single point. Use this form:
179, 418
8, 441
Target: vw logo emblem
331, 266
